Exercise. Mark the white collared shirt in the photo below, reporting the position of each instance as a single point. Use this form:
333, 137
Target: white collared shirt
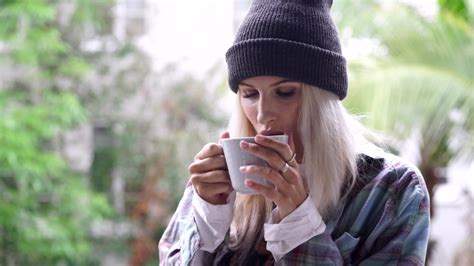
282, 236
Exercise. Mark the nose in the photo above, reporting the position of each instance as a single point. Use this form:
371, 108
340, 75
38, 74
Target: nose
266, 113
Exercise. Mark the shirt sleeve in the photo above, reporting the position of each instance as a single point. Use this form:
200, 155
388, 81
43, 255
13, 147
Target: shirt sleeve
183, 239
180, 241
404, 240
213, 221
298, 227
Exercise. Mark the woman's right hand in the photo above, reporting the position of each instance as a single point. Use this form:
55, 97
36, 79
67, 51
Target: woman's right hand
209, 174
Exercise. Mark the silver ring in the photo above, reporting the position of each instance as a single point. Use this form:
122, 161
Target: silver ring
284, 168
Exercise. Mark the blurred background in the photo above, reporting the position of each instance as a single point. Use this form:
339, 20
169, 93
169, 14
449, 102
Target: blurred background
103, 105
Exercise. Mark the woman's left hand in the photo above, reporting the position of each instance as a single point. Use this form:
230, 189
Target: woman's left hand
288, 191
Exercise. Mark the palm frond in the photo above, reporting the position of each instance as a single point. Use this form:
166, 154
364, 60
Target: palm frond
426, 76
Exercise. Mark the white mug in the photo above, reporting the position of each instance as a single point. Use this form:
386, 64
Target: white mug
235, 157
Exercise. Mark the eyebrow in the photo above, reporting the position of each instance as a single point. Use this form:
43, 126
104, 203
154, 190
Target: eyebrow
271, 85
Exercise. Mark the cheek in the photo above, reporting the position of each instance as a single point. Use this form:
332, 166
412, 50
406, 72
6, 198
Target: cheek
292, 114
250, 112
292, 117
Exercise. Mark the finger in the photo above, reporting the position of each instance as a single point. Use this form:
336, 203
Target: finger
266, 172
284, 150
224, 135
210, 190
267, 192
291, 142
216, 176
292, 160
209, 150
208, 164
269, 155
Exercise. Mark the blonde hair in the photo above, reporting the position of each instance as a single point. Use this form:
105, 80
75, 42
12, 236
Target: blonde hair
329, 136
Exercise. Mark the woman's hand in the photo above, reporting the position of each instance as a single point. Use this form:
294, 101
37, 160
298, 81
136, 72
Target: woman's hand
288, 191
209, 174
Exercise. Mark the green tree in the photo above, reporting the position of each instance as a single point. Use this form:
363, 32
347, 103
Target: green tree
45, 208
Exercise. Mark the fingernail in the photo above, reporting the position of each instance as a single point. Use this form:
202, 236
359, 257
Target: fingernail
243, 169
248, 182
244, 144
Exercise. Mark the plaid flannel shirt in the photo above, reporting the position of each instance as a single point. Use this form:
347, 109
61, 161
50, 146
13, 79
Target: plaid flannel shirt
384, 220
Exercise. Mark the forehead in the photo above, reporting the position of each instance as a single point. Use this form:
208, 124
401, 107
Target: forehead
263, 81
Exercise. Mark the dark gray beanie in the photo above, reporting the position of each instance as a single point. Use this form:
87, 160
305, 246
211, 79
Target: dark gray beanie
294, 39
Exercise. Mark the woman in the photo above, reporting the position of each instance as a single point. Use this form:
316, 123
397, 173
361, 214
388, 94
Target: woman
335, 199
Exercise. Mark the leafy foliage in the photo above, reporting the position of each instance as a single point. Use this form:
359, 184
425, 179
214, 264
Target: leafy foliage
457, 7
45, 208
424, 82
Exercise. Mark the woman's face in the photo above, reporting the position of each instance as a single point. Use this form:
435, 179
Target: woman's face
272, 105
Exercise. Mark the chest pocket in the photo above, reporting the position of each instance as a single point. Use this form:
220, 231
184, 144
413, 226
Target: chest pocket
347, 244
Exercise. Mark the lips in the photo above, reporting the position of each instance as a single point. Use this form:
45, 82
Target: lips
272, 132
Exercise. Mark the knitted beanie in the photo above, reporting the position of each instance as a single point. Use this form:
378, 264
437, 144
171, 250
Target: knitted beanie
294, 39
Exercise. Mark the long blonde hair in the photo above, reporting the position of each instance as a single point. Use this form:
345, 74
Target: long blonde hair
329, 136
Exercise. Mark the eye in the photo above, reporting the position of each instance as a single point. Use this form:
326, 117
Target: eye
286, 92
249, 93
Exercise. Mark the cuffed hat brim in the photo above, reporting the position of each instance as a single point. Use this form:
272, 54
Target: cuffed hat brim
289, 59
